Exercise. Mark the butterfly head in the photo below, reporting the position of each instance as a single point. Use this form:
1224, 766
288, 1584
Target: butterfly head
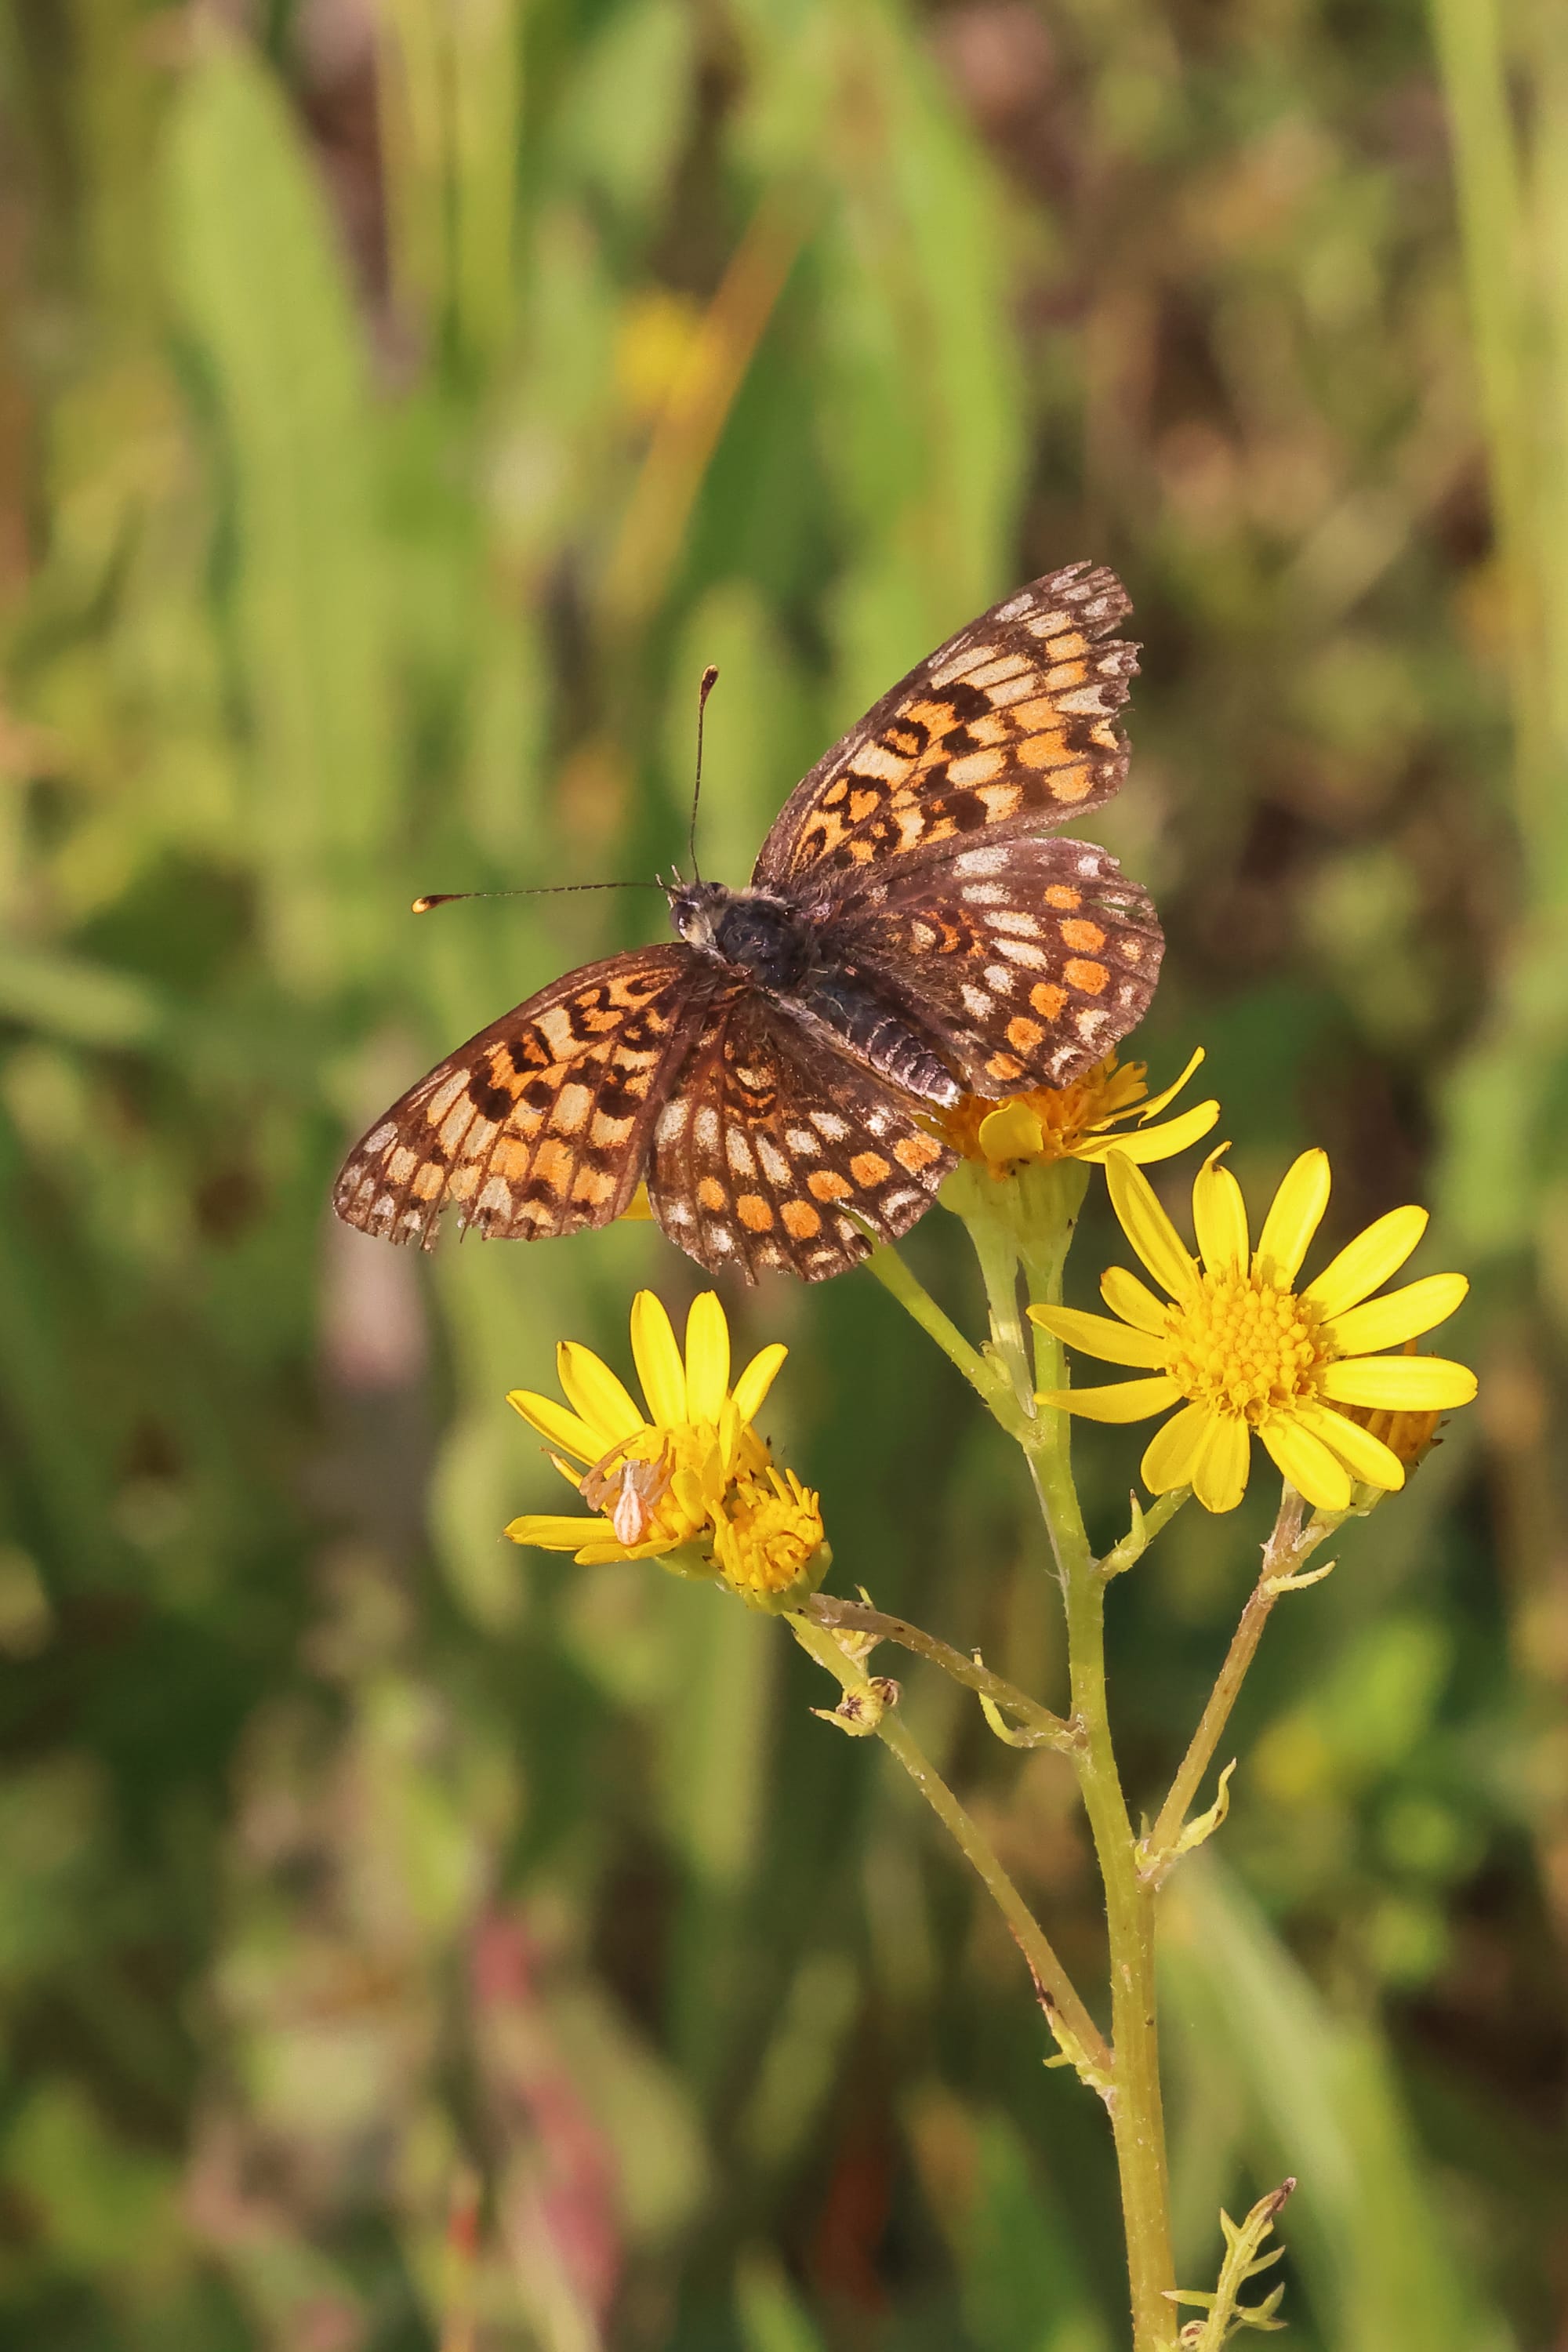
696, 910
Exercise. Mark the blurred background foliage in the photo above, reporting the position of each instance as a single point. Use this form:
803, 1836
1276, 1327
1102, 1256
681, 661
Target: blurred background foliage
403, 1939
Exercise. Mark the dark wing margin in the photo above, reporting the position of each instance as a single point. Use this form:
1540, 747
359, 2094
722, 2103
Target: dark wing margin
1011, 725
1023, 961
774, 1139
539, 1125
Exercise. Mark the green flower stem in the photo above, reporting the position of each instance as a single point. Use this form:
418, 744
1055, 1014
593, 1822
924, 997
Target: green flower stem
1137, 2111
859, 1617
1077, 2034
1289, 1546
997, 1252
917, 1301
1137, 2108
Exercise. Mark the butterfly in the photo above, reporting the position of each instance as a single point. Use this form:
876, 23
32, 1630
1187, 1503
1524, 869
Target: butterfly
777, 1071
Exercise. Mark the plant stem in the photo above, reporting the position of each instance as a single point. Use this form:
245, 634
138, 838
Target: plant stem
997, 1252
1137, 2111
917, 1301
1290, 1544
1079, 2038
859, 1617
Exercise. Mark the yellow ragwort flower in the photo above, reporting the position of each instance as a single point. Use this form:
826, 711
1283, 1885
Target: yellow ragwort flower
1077, 1122
688, 1476
1240, 1350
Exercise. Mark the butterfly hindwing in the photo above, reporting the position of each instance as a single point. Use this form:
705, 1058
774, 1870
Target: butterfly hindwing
540, 1124
1022, 961
1012, 723
772, 1138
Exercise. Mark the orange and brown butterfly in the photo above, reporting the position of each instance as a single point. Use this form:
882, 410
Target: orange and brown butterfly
907, 938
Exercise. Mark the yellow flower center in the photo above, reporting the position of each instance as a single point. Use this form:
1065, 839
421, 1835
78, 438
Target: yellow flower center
1243, 1348
768, 1538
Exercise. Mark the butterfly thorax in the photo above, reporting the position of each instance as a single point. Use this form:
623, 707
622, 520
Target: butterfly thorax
781, 949
761, 934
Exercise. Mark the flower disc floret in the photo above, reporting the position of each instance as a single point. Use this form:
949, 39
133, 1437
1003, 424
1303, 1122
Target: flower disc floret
1107, 1107
769, 1540
1240, 1350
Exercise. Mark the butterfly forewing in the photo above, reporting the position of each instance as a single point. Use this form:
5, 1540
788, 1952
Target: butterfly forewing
776, 1149
1012, 723
1022, 960
540, 1124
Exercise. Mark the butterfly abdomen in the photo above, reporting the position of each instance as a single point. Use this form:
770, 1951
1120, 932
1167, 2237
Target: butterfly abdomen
843, 1001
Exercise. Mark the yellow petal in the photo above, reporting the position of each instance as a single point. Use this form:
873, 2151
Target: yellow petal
554, 1423
706, 1358
598, 1394
751, 1388
1293, 1218
1146, 1144
1127, 1400
1132, 1299
639, 1209
1097, 1335
658, 1359
548, 1531
1224, 1458
1400, 1384
1219, 1217
1388, 1322
1365, 1456
1147, 1226
595, 1554
1012, 1133
1364, 1264
1170, 1452
1307, 1462
1156, 1103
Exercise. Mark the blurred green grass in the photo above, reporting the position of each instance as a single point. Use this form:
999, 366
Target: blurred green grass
399, 403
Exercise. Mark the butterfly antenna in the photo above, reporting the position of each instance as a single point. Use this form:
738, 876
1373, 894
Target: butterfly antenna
422, 906
710, 680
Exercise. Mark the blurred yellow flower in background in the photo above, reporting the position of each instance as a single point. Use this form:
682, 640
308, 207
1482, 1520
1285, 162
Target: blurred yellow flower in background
1081, 1121
1241, 1351
688, 1480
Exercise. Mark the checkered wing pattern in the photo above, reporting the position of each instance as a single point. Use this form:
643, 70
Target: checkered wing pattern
1024, 962
773, 1138
1011, 725
540, 1124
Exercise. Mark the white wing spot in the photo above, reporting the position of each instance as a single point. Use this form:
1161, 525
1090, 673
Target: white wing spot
829, 1123
982, 861
976, 1004
705, 1126
738, 1153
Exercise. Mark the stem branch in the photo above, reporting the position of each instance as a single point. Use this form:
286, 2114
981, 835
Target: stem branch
859, 1617
916, 1300
1078, 2037
1289, 1546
